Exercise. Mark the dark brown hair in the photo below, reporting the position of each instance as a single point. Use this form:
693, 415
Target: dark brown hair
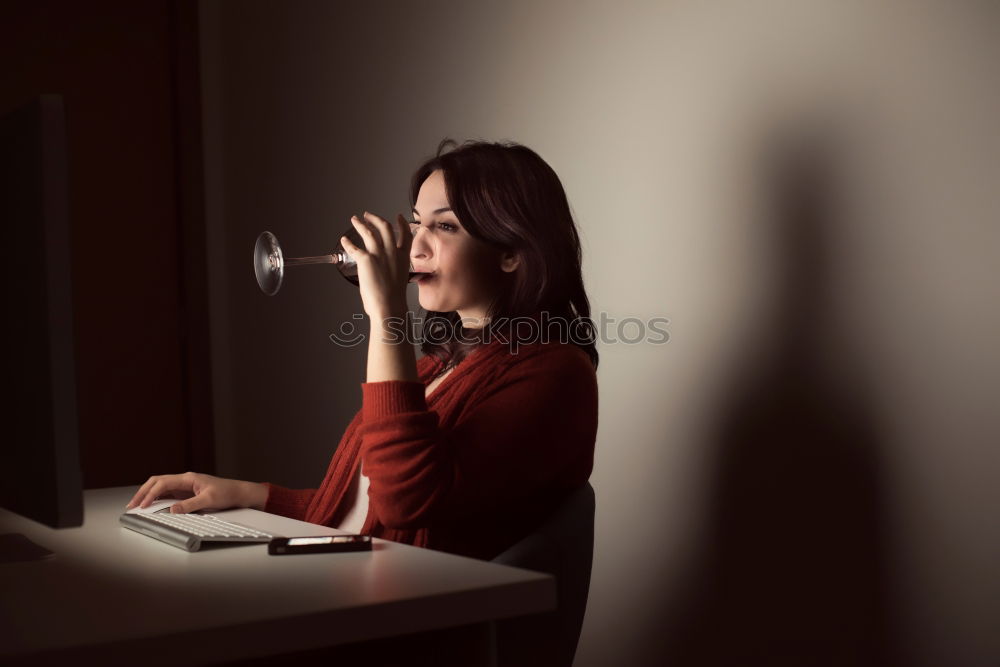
507, 196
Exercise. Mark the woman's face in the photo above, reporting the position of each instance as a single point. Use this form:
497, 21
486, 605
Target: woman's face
464, 271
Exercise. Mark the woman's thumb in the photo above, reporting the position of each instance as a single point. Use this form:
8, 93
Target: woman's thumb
189, 505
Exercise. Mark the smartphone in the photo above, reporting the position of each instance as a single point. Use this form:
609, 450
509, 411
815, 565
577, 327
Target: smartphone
281, 546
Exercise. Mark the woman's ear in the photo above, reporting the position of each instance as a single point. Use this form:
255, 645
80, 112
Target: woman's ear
509, 261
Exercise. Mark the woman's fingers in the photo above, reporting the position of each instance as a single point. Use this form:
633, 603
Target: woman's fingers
162, 484
200, 501
161, 487
141, 493
135, 497
384, 230
152, 493
373, 241
382, 268
352, 250
405, 235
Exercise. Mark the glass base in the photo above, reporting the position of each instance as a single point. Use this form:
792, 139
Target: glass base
268, 263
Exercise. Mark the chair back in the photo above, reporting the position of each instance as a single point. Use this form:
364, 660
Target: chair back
563, 546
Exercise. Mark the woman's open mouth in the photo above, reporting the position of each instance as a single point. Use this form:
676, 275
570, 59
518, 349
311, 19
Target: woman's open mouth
420, 277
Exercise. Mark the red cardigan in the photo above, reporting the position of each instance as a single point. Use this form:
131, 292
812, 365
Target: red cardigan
500, 443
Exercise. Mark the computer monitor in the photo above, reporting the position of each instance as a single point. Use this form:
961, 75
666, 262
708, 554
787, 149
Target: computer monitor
39, 459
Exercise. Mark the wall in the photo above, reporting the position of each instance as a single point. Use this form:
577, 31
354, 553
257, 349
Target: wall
802, 474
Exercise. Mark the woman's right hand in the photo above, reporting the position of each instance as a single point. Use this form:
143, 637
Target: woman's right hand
201, 492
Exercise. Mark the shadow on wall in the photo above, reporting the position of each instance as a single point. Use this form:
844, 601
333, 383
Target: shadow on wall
793, 567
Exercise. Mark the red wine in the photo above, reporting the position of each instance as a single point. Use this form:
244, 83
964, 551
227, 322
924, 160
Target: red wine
413, 275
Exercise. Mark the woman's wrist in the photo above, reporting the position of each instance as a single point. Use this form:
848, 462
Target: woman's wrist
254, 495
390, 351
387, 315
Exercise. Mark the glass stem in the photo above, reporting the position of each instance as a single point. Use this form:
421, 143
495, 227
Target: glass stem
321, 259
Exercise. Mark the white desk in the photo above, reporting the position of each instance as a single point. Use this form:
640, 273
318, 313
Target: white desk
115, 596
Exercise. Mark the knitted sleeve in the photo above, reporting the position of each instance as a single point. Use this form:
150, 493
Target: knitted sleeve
534, 429
288, 502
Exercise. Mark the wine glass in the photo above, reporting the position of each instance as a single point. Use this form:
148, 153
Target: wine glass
269, 262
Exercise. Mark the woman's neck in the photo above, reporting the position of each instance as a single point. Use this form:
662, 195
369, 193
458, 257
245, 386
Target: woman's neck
473, 319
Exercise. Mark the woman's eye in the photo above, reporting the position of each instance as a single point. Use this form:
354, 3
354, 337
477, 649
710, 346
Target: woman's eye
443, 226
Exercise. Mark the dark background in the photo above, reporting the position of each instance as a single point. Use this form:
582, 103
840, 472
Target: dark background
128, 74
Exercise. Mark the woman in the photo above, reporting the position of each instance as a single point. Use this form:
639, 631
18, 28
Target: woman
467, 450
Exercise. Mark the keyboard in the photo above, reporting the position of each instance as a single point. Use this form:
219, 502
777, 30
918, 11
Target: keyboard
189, 531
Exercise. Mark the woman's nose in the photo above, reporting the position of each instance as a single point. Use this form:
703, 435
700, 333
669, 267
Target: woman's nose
420, 248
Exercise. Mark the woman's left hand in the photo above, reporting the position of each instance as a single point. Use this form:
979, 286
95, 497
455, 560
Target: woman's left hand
383, 264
